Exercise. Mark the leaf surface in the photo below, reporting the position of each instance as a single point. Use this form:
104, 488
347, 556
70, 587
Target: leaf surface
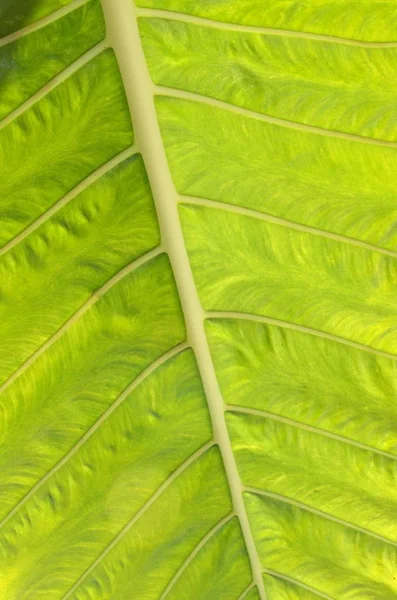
198, 271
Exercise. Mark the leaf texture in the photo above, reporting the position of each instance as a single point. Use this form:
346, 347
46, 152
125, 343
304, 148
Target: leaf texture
21, 13
198, 270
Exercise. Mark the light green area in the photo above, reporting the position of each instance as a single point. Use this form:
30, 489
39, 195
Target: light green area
318, 471
325, 555
172, 527
54, 270
334, 184
284, 372
88, 503
53, 403
334, 86
277, 589
86, 117
372, 20
15, 14
256, 267
30, 62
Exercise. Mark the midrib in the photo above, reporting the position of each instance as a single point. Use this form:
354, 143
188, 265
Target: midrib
123, 36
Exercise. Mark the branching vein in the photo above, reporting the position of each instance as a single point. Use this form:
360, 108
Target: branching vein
216, 314
246, 591
297, 583
57, 14
245, 112
299, 425
57, 80
141, 512
185, 18
320, 513
128, 390
78, 314
256, 214
194, 553
83, 185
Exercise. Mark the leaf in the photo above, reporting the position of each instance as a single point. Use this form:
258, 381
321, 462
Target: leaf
197, 296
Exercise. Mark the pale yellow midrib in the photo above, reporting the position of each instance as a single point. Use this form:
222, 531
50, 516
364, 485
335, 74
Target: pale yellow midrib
169, 15
123, 36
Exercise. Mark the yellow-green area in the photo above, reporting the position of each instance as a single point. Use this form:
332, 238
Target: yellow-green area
198, 277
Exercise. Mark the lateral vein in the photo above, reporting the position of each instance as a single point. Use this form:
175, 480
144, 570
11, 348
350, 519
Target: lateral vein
195, 456
53, 83
54, 16
256, 214
162, 90
297, 583
320, 513
119, 400
218, 314
79, 313
123, 36
80, 187
299, 425
205, 22
194, 553
247, 590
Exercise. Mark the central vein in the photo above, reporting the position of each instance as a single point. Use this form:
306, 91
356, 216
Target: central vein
123, 36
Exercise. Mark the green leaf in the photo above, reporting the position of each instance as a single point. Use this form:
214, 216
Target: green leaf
197, 294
